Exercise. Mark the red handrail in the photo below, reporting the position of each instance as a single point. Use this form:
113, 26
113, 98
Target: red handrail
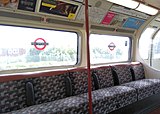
88, 57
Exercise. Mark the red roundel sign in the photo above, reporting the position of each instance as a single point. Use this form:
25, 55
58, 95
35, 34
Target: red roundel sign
111, 46
40, 44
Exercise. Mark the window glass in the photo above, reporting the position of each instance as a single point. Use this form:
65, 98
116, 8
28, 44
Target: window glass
22, 48
155, 52
107, 48
156, 46
145, 42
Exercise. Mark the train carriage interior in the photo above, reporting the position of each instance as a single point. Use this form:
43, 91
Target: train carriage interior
80, 57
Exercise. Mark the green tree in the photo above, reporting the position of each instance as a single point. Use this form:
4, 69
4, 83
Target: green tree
33, 55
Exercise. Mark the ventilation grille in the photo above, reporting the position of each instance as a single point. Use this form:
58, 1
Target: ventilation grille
102, 28
68, 23
122, 30
126, 31
19, 16
39, 19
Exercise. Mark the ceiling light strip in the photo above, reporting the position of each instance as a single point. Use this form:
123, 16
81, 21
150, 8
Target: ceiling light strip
137, 5
147, 9
147, 4
127, 3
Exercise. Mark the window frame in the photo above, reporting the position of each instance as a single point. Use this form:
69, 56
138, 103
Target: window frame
152, 47
42, 27
152, 37
130, 50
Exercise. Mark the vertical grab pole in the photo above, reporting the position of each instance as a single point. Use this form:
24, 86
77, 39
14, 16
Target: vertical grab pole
88, 57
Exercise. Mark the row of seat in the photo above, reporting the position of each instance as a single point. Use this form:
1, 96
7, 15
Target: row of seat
65, 92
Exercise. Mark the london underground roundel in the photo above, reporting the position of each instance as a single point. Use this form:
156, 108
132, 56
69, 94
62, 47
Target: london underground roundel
40, 44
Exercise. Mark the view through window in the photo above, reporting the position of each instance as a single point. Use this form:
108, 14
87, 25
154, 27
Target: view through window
22, 47
145, 42
107, 48
149, 47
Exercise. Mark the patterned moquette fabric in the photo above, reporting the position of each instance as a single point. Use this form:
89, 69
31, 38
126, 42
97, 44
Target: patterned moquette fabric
123, 73
138, 71
156, 83
144, 88
104, 77
49, 88
109, 99
69, 105
12, 96
79, 81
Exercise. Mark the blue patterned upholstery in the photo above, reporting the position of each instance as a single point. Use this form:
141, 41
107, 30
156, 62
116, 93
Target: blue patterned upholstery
123, 73
156, 83
138, 71
70, 105
12, 96
109, 99
79, 79
49, 88
104, 75
144, 88
139, 74
51, 95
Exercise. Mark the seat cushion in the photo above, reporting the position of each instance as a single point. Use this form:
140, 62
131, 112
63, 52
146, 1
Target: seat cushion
156, 83
109, 99
144, 88
69, 105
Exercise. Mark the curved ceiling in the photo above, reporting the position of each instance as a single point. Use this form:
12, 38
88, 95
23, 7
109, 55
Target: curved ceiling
155, 3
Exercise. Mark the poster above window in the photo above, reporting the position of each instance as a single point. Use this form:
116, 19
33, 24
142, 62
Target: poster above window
108, 18
27, 5
9, 4
134, 23
60, 8
96, 14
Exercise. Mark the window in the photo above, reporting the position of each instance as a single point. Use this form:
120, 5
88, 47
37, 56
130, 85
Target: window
156, 46
155, 52
107, 48
145, 42
149, 46
22, 48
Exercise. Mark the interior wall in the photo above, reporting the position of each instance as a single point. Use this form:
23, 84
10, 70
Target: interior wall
74, 25
149, 71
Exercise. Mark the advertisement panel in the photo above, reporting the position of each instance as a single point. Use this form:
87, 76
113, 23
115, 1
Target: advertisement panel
134, 23
27, 5
9, 3
59, 8
108, 18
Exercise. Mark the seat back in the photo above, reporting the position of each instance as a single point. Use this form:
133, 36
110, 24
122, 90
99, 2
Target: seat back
50, 88
79, 80
122, 73
12, 95
103, 77
137, 71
